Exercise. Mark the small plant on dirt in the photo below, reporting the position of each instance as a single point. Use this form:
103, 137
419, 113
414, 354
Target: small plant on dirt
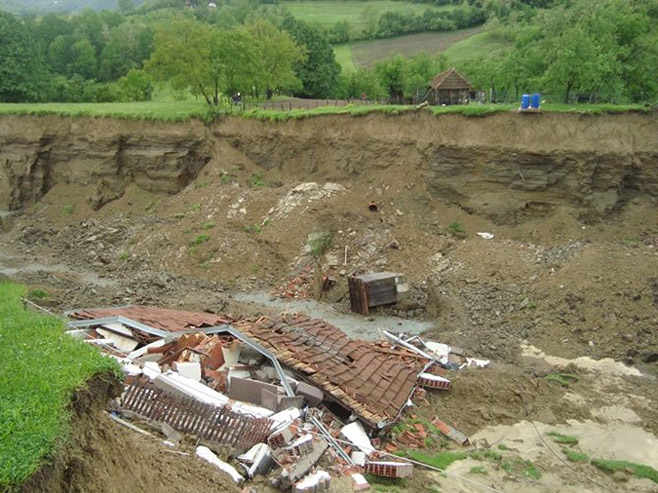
208, 225
478, 470
457, 230
37, 294
502, 446
203, 184
67, 209
319, 242
252, 228
151, 206
227, 178
638, 470
574, 456
202, 238
380, 483
256, 181
564, 379
518, 466
486, 454
196, 206
203, 265
180, 215
124, 256
562, 439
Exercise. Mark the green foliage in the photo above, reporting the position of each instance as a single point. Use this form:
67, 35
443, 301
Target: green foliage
574, 456
208, 225
37, 294
22, 70
196, 206
204, 60
384, 484
441, 460
638, 470
319, 72
67, 209
457, 229
518, 466
478, 470
124, 256
563, 379
227, 178
319, 242
34, 415
562, 439
256, 180
202, 238
502, 446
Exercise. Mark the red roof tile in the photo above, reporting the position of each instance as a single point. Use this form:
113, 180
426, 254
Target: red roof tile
371, 379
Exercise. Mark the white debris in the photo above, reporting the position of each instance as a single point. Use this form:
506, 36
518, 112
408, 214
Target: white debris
318, 481
359, 482
208, 455
486, 236
355, 434
257, 460
189, 369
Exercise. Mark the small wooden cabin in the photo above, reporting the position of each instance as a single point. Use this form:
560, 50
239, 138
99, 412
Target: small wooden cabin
451, 87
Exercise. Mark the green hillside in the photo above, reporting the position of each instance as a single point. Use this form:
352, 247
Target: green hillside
356, 12
366, 53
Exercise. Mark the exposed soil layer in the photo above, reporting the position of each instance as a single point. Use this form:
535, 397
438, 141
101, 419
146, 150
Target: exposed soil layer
104, 457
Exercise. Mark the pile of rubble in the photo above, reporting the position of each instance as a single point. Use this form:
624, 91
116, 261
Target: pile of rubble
291, 398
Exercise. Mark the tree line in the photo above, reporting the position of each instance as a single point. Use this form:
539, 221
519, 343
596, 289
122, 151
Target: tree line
576, 50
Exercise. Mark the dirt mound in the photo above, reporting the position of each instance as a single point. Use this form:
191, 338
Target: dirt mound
104, 457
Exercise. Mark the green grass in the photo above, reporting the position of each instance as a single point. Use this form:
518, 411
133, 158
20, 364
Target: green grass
183, 111
476, 46
574, 456
638, 470
256, 181
517, 466
441, 460
327, 12
345, 57
40, 368
198, 239
207, 225
162, 111
368, 52
563, 379
478, 470
67, 209
562, 439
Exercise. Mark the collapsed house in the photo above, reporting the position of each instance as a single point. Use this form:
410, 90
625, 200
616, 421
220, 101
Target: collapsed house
274, 393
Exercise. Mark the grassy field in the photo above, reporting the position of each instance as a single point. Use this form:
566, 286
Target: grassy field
345, 57
366, 53
476, 46
182, 111
40, 367
327, 13
151, 110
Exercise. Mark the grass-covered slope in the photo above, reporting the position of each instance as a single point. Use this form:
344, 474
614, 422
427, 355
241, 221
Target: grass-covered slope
40, 368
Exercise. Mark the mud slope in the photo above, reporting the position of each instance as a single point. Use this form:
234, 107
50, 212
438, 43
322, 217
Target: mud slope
506, 167
104, 457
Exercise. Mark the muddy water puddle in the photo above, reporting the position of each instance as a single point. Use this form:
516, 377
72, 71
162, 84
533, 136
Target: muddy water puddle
16, 267
355, 326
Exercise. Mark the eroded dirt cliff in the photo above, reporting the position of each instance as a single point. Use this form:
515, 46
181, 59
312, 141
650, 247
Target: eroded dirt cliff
507, 167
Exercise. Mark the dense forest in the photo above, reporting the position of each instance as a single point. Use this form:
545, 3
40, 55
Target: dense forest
572, 50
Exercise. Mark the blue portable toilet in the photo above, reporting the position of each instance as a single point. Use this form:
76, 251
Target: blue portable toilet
535, 101
525, 101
